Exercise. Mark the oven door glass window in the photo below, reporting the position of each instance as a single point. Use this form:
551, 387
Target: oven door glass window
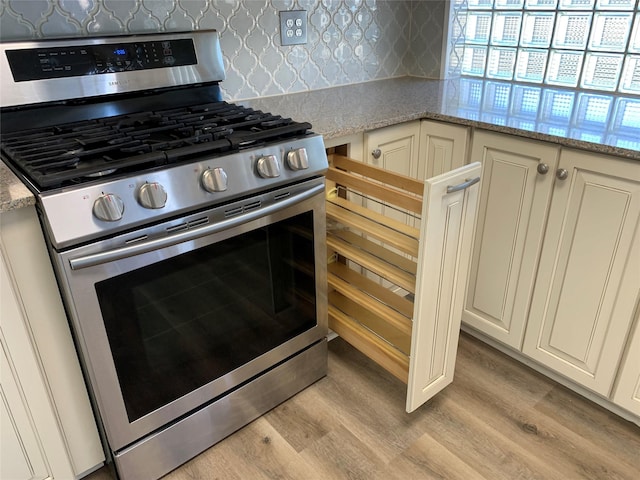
181, 323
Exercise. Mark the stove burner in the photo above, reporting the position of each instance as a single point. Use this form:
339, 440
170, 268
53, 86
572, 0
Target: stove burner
67, 153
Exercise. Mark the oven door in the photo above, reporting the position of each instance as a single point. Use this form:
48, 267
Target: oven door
171, 317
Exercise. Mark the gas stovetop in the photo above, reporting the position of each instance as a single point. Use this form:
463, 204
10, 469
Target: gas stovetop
73, 153
116, 133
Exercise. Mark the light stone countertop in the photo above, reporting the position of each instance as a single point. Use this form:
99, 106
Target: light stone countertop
13, 193
341, 111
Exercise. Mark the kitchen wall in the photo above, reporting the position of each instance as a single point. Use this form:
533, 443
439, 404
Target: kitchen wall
349, 41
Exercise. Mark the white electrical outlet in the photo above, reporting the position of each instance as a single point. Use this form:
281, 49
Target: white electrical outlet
293, 27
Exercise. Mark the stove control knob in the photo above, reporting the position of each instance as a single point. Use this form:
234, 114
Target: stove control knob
297, 159
152, 195
108, 207
214, 180
268, 166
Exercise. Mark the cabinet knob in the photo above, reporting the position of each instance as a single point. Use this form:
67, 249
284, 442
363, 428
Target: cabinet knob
543, 168
376, 153
561, 174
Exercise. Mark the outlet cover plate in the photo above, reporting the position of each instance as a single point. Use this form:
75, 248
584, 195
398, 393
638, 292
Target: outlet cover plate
293, 27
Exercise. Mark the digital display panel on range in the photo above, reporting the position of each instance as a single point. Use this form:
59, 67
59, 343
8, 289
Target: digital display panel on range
58, 62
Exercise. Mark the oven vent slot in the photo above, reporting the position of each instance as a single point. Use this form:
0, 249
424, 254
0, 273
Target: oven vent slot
137, 239
198, 222
177, 228
281, 196
252, 206
244, 208
233, 211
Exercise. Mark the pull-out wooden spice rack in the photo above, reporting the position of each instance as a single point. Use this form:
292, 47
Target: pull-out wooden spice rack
396, 290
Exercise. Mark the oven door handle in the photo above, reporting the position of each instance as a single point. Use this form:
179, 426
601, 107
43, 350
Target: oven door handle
144, 247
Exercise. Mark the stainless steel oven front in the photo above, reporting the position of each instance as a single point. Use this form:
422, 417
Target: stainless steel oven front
176, 320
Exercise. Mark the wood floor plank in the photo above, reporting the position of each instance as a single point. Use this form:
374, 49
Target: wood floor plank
426, 459
509, 378
574, 455
342, 455
499, 420
619, 439
258, 452
303, 419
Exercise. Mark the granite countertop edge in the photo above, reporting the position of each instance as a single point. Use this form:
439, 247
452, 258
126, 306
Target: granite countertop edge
13, 193
347, 110
352, 109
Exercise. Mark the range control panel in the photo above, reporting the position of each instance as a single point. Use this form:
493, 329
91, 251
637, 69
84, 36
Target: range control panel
80, 60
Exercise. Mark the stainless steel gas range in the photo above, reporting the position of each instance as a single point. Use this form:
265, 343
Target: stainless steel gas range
187, 234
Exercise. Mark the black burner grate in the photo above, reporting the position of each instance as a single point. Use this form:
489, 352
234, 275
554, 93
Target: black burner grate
76, 152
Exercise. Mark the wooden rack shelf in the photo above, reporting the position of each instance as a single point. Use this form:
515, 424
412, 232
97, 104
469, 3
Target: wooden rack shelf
378, 274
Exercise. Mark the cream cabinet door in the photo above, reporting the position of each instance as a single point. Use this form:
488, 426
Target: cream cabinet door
587, 284
513, 206
443, 262
443, 147
20, 453
627, 389
395, 149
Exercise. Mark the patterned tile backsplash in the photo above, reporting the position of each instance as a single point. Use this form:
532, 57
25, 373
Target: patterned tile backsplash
349, 41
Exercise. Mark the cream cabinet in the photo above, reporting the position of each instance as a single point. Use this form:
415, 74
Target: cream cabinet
48, 427
586, 287
394, 148
442, 148
20, 456
518, 178
627, 390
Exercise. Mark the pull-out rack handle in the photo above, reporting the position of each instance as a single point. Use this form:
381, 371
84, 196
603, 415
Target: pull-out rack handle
461, 186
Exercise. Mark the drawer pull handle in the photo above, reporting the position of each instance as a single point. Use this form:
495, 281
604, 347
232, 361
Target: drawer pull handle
461, 186
543, 168
561, 174
376, 153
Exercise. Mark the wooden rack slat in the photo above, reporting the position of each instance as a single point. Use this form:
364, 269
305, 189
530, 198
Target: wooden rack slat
369, 344
391, 223
376, 173
373, 228
368, 319
384, 267
397, 260
386, 296
381, 192
372, 304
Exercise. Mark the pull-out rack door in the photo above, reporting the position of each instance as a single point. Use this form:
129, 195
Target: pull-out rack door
396, 289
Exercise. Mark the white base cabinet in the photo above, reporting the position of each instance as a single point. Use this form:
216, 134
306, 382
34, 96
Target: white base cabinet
512, 214
556, 260
442, 148
48, 427
555, 270
587, 282
24, 402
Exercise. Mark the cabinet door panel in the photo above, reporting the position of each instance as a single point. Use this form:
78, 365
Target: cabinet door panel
584, 298
398, 153
627, 391
443, 148
445, 251
20, 451
512, 214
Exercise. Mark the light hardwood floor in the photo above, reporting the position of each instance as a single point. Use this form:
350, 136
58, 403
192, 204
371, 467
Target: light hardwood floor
498, 420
